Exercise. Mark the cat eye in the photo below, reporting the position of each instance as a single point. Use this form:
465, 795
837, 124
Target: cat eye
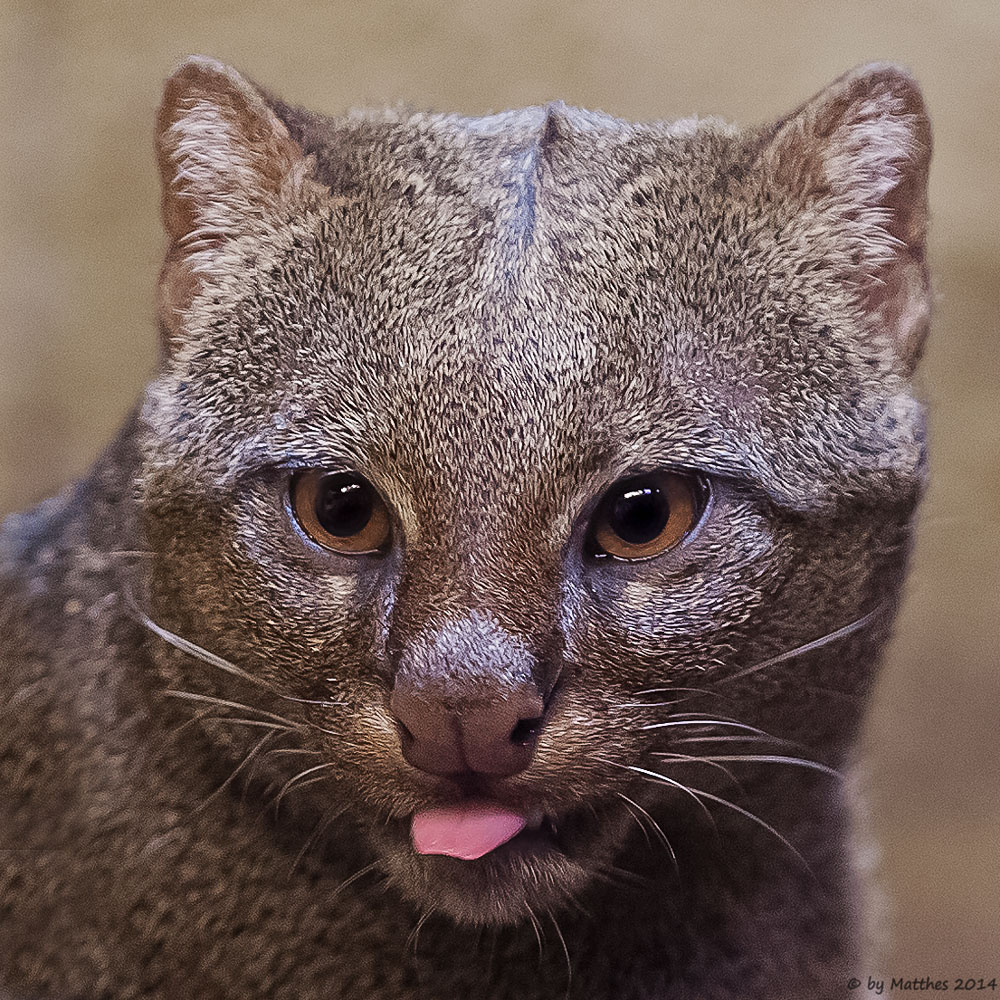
643, 516
340, 511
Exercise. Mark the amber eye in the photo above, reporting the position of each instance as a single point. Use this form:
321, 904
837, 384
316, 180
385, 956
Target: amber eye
340, 511
642, 516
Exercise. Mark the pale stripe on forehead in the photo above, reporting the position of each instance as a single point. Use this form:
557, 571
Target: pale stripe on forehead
497, 363
516, 220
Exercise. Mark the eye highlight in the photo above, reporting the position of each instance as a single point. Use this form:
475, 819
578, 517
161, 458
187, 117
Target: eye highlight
340, 511
644, 516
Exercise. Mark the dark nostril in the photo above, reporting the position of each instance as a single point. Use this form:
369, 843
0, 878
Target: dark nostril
428, 734
526, 731
492, 736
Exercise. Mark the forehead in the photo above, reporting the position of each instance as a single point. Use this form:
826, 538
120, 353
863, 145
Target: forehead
551, 291
552, 281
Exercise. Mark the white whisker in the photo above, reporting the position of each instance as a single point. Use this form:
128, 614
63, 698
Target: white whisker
700, 715
638, 822
257, 723
698, 794
756, 819
709, 738
771, 759
314, 701
200, 653
209, 700
684, 758
663, 779
414, 935
650, 704
808, 647
536, 927
186, 646
239, 768
322, 825
672, 690
703, 722
353, 878
565, 951
657, 829
298, 778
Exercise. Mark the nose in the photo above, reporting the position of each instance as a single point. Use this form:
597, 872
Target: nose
495, 736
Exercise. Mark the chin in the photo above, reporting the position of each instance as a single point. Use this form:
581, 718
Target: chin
546, 867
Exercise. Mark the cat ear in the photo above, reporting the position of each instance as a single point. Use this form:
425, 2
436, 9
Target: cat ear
863, 147
229, 168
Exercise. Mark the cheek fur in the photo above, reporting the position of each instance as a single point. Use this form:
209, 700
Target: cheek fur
718, 580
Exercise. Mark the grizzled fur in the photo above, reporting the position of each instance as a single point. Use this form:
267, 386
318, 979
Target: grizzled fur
493, 320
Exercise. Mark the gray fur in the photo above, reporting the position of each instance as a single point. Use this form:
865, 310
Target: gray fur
493, 320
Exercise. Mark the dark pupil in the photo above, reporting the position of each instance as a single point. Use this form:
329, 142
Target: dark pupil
343, 506
639, 514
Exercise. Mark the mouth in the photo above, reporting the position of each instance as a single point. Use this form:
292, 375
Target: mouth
486, 863
474, 828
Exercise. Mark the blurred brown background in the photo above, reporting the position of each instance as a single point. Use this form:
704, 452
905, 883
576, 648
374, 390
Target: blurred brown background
80, 247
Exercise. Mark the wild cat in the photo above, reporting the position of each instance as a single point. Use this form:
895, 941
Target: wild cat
483, 598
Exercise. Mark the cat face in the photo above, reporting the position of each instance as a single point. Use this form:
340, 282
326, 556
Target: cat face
497, 453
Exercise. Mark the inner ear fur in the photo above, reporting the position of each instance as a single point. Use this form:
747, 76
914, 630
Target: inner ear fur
229, 168
862, 148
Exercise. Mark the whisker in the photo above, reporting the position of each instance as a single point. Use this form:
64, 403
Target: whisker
565, 951
809, 647
657, 829
259, 723
536, 927
682, 758
311, 781
192, 649
254, 770
770, 759
656, 776
671, 690
638, 821
578, 907
414, 935
321, 827
763, 738
703, 722
650, 704
288, 785
200, 653
210, 700
621, 878
353, 878
698, 794
756, 819
239, 768
313, 701
709, 738
701, 714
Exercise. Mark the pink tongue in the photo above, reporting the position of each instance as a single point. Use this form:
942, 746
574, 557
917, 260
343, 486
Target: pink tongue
467, 831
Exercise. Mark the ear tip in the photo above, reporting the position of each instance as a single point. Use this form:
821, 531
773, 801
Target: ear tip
892, 83
198, 67
884, 69
203, 74
202, 77
882, 92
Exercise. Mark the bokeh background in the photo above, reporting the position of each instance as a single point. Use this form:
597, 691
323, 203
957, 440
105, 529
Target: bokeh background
80, 247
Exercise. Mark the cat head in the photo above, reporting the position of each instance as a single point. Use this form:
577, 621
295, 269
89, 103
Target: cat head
477, 440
